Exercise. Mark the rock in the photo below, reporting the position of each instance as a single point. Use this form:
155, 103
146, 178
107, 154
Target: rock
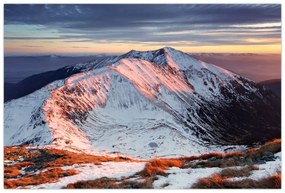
261, 161
249, 160
268, 156
214, 159
153, 144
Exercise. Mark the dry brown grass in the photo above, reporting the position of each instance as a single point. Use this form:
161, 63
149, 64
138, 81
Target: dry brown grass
210, 155
202, 157
69, 158
232, 154
51, 175
233, 158
221, 163
13, 153
13, 170
35, 159
8, 184
276, 180
276, 140
222, 160
217, 181
270, 182
231, 172
20, 165
61, 157
54, 157
109, 183
273, 146
159, 165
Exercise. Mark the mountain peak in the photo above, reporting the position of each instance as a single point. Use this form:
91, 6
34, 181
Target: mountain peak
167, 48
163, 56
160, 50
155, 56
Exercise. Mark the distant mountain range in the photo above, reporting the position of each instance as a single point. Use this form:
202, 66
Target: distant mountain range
19, 67
273, 85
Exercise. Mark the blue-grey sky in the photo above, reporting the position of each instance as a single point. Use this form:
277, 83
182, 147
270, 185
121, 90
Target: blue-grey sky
49, 28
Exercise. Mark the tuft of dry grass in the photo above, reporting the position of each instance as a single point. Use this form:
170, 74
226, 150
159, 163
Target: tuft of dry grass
110, 183
273, 146
276, 180
8, 184
215, 181
273, 141
159, 165
232, 172
11, 172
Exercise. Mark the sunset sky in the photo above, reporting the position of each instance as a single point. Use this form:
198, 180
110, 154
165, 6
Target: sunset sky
86, 29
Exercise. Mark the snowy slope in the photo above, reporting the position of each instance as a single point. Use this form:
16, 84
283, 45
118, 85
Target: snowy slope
154, 103
24, 120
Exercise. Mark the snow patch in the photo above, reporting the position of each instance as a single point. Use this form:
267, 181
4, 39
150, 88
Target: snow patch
183, 178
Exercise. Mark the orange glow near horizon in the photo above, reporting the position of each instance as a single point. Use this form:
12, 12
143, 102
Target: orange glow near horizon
36, 46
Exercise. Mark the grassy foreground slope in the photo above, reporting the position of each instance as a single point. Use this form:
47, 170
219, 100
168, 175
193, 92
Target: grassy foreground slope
32, 167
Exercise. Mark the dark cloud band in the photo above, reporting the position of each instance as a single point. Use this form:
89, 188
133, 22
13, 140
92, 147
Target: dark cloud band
148, 22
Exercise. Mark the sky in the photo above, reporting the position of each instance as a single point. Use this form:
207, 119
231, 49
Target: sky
117, 28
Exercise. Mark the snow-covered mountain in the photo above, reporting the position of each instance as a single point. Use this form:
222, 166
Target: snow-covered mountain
153, 103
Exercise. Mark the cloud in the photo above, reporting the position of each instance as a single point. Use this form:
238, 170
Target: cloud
31, 46
80, 47
198, 23
112, 16
32, 38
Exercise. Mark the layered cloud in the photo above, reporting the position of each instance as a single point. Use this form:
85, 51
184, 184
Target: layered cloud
144, 25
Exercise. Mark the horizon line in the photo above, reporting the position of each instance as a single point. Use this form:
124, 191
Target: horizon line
120, 53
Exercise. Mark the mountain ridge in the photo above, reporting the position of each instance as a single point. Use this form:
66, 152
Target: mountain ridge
155, 97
